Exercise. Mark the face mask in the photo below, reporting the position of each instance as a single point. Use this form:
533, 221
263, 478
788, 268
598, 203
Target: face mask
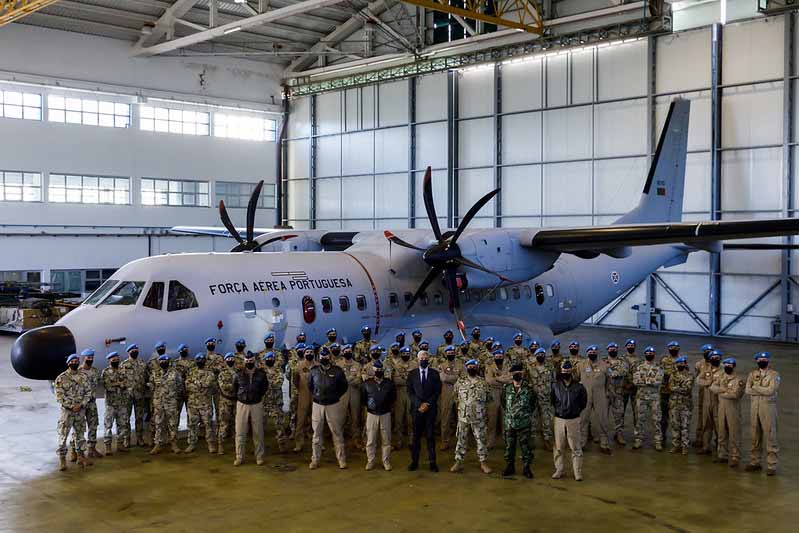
395, 352
424, 347
325, 361
230, 363
184, 355
650, 357
417, 338
73, 366
674, 352
715, 362
592, 356
476, 336
269, 344
517, 377
240, 347
88, 363
555, 351
451, 356
573, 351
335, 353
300, 340
613, 353
200, 364
309, 357
630, 351
517, 342
401, 341
540, 358
114, 364
464, 351
164, 365
270, 362
707, 356
161, 351
134, 354
250, 365
379, 374
423, 363
448, 339
471, 371
210, 347
406, 357
331, 338
728, 369
682, 367
499, 361
566, 376
762, 364
375, 356
348, 355
367, 335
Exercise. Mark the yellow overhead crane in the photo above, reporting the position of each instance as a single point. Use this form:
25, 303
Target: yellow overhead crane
11, 10
522, 15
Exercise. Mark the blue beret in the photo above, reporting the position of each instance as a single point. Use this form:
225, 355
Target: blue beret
566, 365
716, 353
612, 345
518, 335
240, 340
132, 347
160, 344
555, 342
472, 362
199, 356
499, 352
229, 355
536, 342
269, 355
269, 335
449, 348
73, 357
417, 332
335, 345
394, 345
423, 341
729, 361
593, 347
400, 334
347, 347
301, 334
476, 329
673, 344
649, 349
377, 348
210, 340
707, 348
405, 349
763, 355
540, 351
574, 343
324, 351
496, 345
299, 346
88, 352
182, 347
164, 357
629, 341
331, 330
111, 356
377, 364
365, 329
681, 359
489, 339
449, 331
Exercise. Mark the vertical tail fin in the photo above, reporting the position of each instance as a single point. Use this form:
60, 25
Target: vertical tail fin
661, 199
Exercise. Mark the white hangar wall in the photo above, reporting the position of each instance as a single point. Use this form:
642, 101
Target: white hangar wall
568, 136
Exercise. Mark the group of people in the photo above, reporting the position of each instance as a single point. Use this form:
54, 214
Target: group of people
477, 390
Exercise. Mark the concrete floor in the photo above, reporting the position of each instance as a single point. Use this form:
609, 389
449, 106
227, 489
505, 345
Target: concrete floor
632, 491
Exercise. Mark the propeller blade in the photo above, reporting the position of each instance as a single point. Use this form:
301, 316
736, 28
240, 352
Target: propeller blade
429, 205
471, 264
431, 277
273, 239
452, 288
227, 222
761, 246
399, 242
471, 213
251, 208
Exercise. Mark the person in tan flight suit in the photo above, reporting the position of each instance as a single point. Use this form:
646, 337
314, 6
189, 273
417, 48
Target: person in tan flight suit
300, 378
730, 387
710, 402
449, 369
700, 367
593, 374
497, 376
401, 416
762, 386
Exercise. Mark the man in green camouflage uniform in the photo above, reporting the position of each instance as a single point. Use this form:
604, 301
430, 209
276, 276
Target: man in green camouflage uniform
273, 399
555, 359
440, 351
630, 391
227, 402
136, 372
92, 417
215, 363
450, 369
618, 372
401, 416
200, 386
541, 376
416, 335
363, 347
519, 401
647, 378
477, 348
166, 385
332, 338
352, 398
517, 354
471, 394
681, 405
667, 363
183, 365
72, 393
115, 383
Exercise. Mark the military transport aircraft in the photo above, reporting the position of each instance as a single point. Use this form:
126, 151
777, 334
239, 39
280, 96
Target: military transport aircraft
539, 281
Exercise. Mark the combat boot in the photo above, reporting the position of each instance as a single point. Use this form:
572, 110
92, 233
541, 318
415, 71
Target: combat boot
734, 463
527, 472
684, 450
510, 469
211, 447
370, 466
770, 471
62, 463
752, 468
109, 449
156, 450
123, 447
485, 468
73, 456
620, 439
674, 449
547, 445
457, 467
83, 462
637, 445
175, 447
658, 447
220, 447
237, 462
189, 449
93, 451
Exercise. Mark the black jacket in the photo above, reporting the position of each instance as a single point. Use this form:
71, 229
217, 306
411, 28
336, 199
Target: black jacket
327, 386
378, 397
569, 401
427, 394
250, 387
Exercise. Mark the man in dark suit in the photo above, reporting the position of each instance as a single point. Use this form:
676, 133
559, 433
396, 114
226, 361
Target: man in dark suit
424, 388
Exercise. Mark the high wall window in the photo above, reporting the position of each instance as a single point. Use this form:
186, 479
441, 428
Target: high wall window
88, 111
244, 127
15, 104
237, 194
79, 281
88, 189
174, 192
20, 186
167, 120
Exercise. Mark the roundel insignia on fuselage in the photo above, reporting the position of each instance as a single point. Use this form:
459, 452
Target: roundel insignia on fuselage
614, 277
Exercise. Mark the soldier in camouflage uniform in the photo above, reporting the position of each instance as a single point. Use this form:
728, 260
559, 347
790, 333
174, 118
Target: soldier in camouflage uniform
497, 375
681, 405
72, 393
647, 378
295, 353
273, 399
541, 375
200, 386
401, 415
240, 354
152, 368
618, 372
477, 347
92, 417
471, 395
183, 365
352, 398
136, 373
700, 367
555, 359
227, 402
667, 362
449, 336
215, 363
115, 383
573, 355
166, 385
392, 357
518, 354
450, 369
710, 402
301, 376
630, 391
363, 347
416, 335
519, 401
332, 338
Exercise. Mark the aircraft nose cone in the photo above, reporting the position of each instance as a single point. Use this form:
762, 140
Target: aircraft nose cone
42, 353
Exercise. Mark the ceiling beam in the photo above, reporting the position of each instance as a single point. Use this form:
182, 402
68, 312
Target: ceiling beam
166, 22
219, 31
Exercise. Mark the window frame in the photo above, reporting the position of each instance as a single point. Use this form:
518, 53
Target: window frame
83, 189
327, 304
167, 118
393, 300
222, 124
344, 303
90, 112
24, 108
170, 190
162, 297
119, 286
22, 186
360, 302
241, 197
169, 308
539, 294
249, 309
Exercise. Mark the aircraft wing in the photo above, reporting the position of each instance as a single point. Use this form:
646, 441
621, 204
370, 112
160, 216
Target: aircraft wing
212, 231
615, 240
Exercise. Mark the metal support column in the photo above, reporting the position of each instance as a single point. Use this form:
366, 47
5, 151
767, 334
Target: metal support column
498, 145
281, 170
312, 164
411, 152
714, 304
651, 142
786, 304
452, 148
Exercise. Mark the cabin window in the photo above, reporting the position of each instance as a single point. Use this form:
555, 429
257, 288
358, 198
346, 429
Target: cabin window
539, 294
528, 292
503, 293
100, 293
180, 297
155, 296
492, 295
344, 303
393, 300
437, 300
550, 291
425, 299
515, 293
249, 309
275, 302
127, 293
408, 297
327, 305
360, 302
308, 309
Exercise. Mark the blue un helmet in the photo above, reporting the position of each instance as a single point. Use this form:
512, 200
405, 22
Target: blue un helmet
394, 345
649, 349
716, 353
183, 348
424, 343
230, 355
612, 346
707, 348
241, 342
471, 362
729, 361
269, 355
518, 335
300, 347
210, 340
498, 351
449, 349
673, 344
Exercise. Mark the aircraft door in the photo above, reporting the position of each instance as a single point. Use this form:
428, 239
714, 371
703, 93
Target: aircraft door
562, 288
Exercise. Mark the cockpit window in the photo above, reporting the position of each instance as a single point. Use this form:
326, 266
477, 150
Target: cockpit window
155, 296
180, 297
100, 293
127, 293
